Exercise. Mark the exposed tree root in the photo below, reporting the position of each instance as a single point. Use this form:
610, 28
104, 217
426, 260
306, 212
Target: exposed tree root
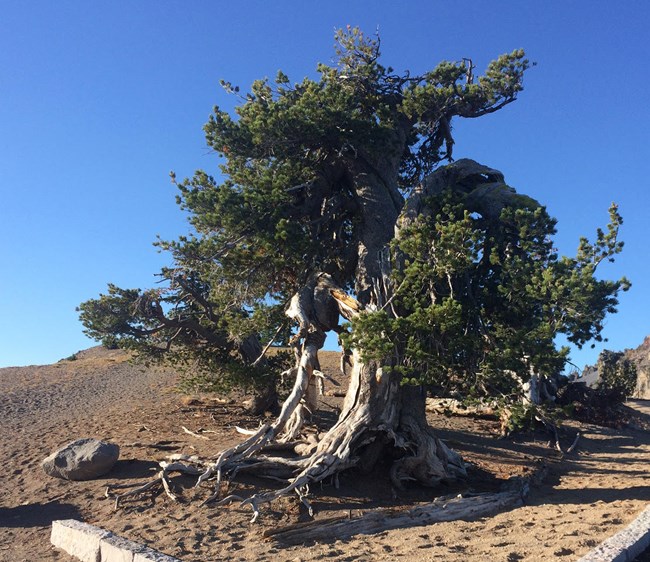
285, 428
362, 423
465, 508
155, 486
378, 414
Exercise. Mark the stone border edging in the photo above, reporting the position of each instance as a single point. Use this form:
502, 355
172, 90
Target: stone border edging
92, 544
625, 545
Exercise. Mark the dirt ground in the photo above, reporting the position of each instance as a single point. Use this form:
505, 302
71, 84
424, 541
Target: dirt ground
587, 496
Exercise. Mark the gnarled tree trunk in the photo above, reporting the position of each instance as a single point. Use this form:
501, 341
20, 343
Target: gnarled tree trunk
380, 415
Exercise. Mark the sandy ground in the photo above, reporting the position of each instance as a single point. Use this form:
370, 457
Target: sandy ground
587, 496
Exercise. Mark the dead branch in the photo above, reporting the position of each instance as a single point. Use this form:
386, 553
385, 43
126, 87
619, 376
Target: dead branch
267, 346
324, 376
193, 434
243, 431
574, 444
156, 485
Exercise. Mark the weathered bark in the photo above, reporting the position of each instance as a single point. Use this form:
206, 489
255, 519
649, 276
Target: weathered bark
313, 316
379, 415
380, 204
377, 412
159, 483
484, 188
433, 461
450, 509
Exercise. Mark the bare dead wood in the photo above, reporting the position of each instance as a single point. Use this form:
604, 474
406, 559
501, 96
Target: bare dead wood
244, 431
335, 451
324, 376
193, 434
267, 346
159, 483
557, 439
336, 393
225, 501
296, 408
313, 308
458, 508
375, 408
574, 444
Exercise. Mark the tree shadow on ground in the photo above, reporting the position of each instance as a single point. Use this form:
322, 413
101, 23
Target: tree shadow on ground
588, 496
491, 463
133, 469
36, 514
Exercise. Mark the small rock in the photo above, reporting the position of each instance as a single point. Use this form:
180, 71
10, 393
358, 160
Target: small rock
83, 459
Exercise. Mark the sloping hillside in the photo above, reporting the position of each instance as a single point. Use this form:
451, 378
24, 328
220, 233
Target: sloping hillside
589, 494
641, 358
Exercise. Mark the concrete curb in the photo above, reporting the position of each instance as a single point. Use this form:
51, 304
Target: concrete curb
92, 544
626, 545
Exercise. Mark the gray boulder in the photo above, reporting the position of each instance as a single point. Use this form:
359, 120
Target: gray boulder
83, 459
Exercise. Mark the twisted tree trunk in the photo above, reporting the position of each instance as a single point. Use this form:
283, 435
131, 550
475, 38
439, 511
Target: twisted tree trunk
381, 418
379, 414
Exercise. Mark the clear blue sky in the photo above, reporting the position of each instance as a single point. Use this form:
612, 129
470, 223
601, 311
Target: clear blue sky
100, 100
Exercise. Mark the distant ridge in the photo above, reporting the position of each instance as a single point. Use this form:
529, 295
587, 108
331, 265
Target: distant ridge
640, 356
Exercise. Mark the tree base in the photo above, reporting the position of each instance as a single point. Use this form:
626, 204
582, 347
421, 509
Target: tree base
380, 418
